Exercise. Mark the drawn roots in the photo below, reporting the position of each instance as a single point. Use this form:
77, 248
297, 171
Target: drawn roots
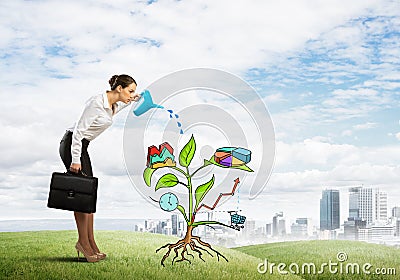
194, 243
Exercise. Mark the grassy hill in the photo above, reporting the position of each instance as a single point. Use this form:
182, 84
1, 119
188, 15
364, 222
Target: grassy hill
380, 257
131, 255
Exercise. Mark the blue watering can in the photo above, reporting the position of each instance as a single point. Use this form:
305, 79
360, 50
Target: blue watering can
145, 103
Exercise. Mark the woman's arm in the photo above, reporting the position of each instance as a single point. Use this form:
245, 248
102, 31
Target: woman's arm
121, 105
89, 114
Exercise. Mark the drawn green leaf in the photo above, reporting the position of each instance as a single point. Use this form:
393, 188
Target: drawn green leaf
147, 173
206, 162
187, 153
167, 181
242, 167
202, 190
182, 210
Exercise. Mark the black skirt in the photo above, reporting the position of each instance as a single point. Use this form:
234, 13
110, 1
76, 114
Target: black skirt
65, 153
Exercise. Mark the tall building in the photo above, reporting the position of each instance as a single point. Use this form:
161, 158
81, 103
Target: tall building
302, 227
381, 208
249, 228
175, 222
396, 212
352, 227
268, 229
354, 198
368, 204
275, 228
329, 210
282, 227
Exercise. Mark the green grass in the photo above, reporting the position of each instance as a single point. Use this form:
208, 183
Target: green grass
320, 251
131, 255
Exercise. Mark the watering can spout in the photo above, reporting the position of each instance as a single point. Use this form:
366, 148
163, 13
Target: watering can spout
158, 106
145, 103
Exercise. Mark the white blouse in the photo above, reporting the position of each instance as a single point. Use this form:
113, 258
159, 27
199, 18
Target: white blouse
95, 118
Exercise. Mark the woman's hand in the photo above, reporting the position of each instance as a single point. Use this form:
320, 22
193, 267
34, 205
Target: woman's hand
136, 97
75, 167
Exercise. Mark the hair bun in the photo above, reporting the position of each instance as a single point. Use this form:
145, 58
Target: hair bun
112, 80
122, 80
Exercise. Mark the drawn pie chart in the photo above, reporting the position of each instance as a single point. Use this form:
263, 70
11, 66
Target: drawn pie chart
232, 156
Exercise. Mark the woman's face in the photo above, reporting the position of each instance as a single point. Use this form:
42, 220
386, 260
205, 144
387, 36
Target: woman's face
129, 93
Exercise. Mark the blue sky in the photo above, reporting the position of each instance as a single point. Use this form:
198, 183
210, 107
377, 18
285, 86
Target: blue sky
328, 73
357, 73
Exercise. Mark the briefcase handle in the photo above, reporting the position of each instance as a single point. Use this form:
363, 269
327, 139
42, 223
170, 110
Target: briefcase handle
80, 173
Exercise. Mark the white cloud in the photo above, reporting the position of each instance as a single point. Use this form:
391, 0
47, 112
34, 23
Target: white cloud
304, 169
92, 40
295, 119
387, 85
365, 126
104, 35
354, 94
273, 98
321, 154
347, 133
339, 176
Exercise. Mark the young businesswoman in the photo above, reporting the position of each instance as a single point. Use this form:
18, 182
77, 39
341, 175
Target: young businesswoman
96, 117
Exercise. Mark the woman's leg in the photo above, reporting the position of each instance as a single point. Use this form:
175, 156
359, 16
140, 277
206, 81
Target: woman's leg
87, 169
90, 230
82, 221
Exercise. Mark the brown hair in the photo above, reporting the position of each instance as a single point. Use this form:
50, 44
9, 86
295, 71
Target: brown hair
122, 80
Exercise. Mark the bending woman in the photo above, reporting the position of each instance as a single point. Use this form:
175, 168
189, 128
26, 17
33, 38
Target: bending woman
96, 117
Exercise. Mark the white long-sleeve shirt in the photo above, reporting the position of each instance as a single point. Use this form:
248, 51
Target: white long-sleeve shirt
95, 118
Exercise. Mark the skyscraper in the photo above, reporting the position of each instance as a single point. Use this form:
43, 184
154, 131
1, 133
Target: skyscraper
275, 224
396, 212
302, 227
381, 208
282, 227
329, 210
268, 229
175, 222
354, 198
368, 204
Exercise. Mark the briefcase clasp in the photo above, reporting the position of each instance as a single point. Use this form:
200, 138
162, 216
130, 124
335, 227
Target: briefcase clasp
71, 193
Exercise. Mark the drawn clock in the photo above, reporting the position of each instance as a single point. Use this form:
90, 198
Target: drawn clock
169, 202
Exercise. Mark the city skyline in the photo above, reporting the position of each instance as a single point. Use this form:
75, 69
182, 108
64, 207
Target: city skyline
384, 216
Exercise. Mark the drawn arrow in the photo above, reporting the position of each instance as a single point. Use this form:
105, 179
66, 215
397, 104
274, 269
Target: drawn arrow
237, 181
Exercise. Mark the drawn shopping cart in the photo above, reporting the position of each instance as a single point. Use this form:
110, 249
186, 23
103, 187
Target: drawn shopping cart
237, 220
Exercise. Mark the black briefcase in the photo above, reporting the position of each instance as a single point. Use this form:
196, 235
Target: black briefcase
73, 192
